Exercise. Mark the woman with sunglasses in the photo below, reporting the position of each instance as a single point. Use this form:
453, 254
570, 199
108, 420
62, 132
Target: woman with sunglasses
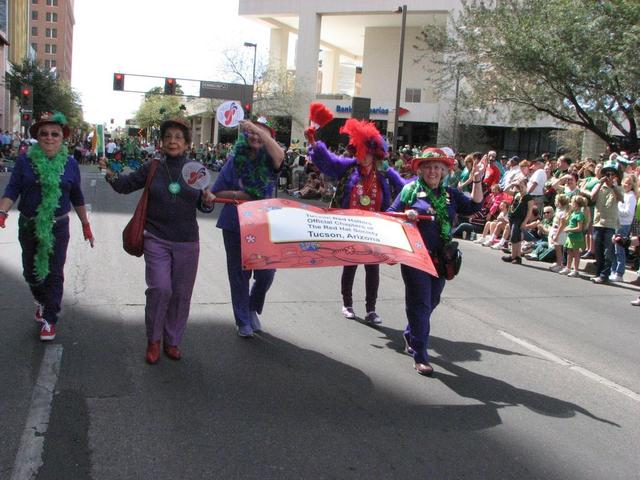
47, 181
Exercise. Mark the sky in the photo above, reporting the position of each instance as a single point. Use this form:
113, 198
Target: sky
161, 38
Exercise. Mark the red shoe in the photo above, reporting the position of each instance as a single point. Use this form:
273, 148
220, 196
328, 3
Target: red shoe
47, 331
172, 351
424, 369
153, 352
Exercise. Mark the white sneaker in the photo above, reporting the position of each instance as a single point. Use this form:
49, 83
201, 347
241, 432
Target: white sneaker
373, 317
348, 312
499, 245
564, 271
255, 321
488, 242
480, 239
555, 268
573, 273
615, 277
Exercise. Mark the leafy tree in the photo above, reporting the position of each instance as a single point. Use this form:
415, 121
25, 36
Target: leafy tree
157, 107
574, 60
49, 93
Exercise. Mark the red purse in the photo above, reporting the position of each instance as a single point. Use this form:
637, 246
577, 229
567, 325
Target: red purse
133, 233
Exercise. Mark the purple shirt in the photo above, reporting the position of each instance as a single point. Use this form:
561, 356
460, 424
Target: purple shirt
336, 166
24, 183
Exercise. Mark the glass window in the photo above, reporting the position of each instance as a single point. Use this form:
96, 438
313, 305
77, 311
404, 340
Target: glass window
52, 17
54, 48
34, 2
34, 14
47, 64
53, 3
54, 32
47, 32
412, 95
34, 31
34, 46
53, 63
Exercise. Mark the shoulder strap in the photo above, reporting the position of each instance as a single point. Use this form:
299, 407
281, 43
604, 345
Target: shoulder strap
152, 172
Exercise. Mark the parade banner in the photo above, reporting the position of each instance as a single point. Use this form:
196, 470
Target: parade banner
280, 233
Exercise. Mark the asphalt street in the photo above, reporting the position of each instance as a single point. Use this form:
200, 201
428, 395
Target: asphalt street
536, 374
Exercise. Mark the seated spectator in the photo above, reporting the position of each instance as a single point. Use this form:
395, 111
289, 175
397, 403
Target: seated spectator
313, 188
541, 248
493, 229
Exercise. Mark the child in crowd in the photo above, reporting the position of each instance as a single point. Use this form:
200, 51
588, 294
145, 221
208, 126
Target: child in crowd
575, 235
494, 228
557, 235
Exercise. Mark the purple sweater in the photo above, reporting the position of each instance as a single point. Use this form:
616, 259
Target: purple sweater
336, 166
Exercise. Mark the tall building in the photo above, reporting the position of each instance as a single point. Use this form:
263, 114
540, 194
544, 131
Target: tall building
51, 34
351, 48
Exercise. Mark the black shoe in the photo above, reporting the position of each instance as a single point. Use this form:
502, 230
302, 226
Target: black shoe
588, 256
507, 258
517, 260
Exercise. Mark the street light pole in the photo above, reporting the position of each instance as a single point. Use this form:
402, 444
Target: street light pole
394, 147
255, 50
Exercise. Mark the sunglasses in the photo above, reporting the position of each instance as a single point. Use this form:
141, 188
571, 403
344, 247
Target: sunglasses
49, 134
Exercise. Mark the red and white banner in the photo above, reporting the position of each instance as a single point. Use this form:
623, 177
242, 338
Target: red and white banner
279, 233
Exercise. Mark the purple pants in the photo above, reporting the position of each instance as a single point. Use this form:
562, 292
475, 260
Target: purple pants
47, 292
371, 282
171, 269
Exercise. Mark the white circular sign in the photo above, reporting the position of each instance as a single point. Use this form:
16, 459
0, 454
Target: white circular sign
229, 114
196, 175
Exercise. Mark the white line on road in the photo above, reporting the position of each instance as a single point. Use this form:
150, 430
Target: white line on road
93, 183
572, 366
29, 456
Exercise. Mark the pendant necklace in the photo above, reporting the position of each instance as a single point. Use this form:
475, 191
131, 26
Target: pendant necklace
174, 185
368, 190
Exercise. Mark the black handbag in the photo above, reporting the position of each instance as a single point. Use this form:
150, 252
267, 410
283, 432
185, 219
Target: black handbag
449, 261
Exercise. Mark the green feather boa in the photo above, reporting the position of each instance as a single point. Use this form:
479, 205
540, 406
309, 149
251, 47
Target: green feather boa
48, 171
409, 194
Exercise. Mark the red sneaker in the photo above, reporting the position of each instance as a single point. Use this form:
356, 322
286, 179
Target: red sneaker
172, 351
39, 311
47, 331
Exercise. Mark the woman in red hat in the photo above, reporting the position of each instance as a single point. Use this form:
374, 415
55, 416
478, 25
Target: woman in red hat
171, 238
427, 195
361, 186
47, 181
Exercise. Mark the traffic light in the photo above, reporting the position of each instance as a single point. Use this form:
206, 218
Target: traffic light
170, 86
118, 81
247, 110
25, 119
26, 99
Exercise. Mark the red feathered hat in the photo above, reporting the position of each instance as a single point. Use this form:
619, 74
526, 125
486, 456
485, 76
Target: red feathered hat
366, 138
432, 155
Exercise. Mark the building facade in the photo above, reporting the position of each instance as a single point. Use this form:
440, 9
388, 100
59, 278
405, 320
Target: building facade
51, 35
345, 48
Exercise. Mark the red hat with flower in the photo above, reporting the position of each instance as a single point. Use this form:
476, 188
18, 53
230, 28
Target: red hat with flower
432, 155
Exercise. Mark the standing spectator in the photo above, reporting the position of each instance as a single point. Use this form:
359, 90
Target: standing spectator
626, 213
538, 178
606, 194
575, 235
513, 170
466, 181
557, 235
519, 214
493, 173
110, 148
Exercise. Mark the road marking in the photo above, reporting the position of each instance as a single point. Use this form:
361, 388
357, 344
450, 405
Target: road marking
29, 456
572, 366
93, 183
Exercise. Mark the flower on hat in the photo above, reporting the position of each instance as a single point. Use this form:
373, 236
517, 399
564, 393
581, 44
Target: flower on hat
432, 155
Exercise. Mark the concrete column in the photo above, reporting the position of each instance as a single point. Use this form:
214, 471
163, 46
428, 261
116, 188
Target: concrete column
206, 129
330, 71
278, 48
306, 70
215, 130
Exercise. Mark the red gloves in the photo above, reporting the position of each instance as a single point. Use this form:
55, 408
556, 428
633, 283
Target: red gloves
3, 218
86, 231
310, 134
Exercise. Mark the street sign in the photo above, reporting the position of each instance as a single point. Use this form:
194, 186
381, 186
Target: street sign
226, 91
